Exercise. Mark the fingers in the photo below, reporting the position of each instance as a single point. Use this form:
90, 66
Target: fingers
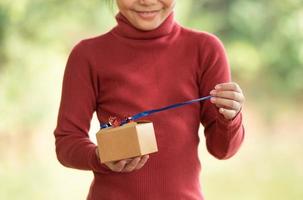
117, 166
228, 97
131, 165
226, 103
128, 165
142, 162
231, 86
136, 163
236, 96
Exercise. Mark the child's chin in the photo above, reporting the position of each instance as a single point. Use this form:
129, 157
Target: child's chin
148, 26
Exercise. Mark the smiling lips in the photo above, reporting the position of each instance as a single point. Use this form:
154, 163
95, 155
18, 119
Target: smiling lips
147, 15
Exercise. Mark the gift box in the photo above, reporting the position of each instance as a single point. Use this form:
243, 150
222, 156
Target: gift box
129, 140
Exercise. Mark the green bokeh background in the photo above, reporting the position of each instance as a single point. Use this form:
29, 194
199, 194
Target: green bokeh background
264, 43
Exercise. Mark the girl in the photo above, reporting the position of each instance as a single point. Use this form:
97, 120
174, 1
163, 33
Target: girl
149, 61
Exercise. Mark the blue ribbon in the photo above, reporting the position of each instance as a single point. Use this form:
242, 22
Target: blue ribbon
148, 112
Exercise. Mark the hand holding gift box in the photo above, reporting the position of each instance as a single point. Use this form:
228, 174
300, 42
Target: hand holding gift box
130, 140
126, 139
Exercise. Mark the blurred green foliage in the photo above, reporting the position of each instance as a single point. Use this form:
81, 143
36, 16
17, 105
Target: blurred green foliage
263, 39
264, 42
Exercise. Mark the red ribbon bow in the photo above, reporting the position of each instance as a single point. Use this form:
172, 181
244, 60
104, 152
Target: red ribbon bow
115, 121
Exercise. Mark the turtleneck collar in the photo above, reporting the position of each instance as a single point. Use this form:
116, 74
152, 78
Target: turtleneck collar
125, 29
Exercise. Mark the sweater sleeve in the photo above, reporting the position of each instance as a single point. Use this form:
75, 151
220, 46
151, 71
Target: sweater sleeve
74, 149
223, 137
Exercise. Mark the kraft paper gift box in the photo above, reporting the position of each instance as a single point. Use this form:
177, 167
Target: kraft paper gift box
126, 141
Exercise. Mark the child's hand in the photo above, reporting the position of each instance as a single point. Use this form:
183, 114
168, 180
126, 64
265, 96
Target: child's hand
126, 165
229, 98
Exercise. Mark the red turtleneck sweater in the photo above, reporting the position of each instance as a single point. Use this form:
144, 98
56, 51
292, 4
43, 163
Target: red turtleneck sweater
126, 71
